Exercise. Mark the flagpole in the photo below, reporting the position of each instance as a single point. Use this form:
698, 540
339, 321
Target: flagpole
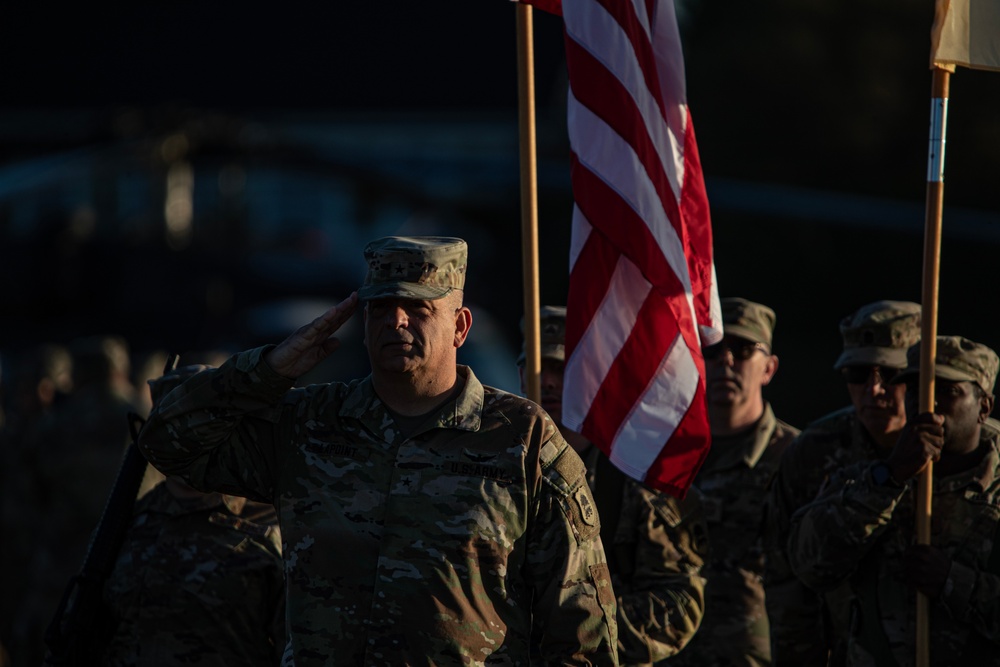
529, 201
928, 335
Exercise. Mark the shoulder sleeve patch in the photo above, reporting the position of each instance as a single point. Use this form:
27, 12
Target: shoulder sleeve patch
583, 513
568, 475
588, 511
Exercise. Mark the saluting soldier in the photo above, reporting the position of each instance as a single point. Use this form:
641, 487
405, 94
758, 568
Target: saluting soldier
426, 518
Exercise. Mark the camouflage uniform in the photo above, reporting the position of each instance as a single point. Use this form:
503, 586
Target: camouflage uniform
403, 550
805, 626
857, 530
655, 543
449, 544
860, 530
733, 483
656, 548
799, 617
198, 581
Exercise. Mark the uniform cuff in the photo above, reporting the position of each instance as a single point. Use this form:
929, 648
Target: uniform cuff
262, 378
957, 592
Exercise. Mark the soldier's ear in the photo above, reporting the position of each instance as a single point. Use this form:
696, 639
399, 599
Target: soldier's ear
463, 322
985, 408
770, 368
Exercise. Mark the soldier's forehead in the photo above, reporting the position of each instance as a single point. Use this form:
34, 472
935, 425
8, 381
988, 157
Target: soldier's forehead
402, 300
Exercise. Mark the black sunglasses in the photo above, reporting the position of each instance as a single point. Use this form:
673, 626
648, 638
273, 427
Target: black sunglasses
861, 374
741, 350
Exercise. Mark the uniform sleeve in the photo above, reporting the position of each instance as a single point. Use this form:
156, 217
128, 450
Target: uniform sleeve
832, 534
972, 596
660, 547
574, 604
794, 611
217, 429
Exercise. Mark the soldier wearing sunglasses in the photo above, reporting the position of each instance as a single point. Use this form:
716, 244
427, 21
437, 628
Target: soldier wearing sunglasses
747, 441
806, 628
859, 532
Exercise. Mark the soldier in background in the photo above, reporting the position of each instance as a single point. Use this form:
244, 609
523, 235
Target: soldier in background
655, 544
806, 628
747, 443
79, 453
37, 381
73, 459
860, 529
425, 517
199, 578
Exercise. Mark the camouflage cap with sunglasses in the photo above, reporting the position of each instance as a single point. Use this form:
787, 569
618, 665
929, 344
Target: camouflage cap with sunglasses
552, 323
414, 267
748, 320
959, 360
879, 333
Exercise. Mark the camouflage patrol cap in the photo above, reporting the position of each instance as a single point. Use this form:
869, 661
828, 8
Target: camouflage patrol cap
957, 359
878, 334
414, 267
746, 319
552, 324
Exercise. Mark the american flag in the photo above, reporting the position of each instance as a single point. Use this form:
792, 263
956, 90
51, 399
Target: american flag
642, 296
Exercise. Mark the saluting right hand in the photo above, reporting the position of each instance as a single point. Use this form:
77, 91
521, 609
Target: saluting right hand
303, 350
920, 442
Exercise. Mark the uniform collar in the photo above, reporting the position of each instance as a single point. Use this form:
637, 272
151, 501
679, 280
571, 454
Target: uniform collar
762, 433
984, 474
463, 413
862, 436
747, 447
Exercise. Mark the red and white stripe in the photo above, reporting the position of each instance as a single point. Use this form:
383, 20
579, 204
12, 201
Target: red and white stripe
642, 294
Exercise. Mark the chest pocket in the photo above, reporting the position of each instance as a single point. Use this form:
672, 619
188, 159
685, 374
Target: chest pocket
736, 498
977, 544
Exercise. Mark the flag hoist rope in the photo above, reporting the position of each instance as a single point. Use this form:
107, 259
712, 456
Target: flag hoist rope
928, 334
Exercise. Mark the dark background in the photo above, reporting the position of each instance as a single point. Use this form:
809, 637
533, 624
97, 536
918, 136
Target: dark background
347, 121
